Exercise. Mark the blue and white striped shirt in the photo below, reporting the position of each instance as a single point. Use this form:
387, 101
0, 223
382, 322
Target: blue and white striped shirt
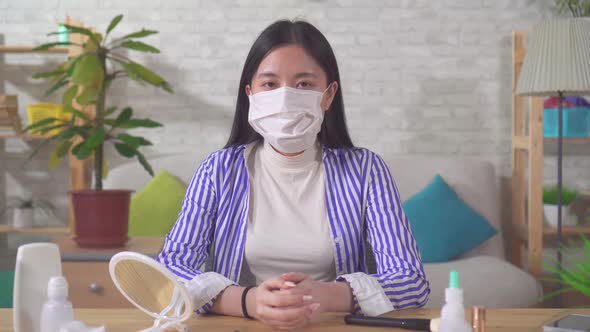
362, 204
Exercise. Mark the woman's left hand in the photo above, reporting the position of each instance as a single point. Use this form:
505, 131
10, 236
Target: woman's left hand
332, 296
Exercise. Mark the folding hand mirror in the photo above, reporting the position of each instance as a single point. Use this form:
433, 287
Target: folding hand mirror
153, 289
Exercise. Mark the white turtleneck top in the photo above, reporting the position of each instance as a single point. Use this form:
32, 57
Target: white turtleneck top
288, 228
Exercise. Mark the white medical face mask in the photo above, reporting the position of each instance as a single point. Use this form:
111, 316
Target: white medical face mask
288, 118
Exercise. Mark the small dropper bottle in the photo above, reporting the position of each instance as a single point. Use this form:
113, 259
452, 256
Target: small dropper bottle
453, 313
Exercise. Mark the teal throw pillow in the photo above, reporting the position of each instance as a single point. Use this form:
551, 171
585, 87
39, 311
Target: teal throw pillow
443, 225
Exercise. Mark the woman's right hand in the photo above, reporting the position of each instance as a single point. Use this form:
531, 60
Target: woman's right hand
282, 306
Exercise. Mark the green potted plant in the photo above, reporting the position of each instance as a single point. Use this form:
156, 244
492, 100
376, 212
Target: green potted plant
574, 274
568, 196
24, 210
101, 215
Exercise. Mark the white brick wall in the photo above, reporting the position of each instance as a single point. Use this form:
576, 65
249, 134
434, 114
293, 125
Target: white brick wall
432, 76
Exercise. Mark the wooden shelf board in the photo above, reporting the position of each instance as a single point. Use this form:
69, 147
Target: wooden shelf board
574, 140
522, 232
22, 136
35, 230
567, 231
29, 49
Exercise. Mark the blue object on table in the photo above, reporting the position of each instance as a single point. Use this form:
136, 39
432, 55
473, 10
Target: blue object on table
6, 288
576, 122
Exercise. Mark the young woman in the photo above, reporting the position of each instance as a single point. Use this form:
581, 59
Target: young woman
289, 204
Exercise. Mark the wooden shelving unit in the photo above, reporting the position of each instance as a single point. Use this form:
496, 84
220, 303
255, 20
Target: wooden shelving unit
35, 230
79, 169
528, 227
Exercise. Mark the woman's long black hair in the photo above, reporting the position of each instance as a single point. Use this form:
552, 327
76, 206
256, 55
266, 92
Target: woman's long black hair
333, 133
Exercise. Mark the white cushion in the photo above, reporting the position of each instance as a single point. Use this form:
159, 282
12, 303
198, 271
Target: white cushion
486, 281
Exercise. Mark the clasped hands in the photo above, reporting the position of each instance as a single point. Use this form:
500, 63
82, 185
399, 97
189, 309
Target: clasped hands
288, 302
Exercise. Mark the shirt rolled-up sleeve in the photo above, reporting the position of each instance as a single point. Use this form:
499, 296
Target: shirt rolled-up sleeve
400, 281
187, 245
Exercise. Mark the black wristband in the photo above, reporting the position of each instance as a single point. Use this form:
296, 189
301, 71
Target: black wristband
244, 309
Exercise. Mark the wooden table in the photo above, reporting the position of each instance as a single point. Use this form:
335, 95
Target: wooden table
126, 320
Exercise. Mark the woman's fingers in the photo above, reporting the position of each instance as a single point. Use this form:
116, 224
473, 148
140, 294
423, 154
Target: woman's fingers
283, 315
293, 291
285, 300
295, 277
277, 283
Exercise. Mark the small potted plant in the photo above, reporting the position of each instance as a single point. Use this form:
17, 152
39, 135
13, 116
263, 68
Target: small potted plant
24, 210
101, 216
574, 273
568, 196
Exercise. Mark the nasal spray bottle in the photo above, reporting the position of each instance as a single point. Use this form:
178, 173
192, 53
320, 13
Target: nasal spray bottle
57, 311
453, 313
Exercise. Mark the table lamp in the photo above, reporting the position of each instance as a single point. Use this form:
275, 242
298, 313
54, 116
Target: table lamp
557, 63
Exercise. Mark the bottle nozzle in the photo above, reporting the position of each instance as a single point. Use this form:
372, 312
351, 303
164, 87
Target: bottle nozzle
454, 279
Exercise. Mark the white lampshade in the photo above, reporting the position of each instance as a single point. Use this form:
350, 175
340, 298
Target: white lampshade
557, 59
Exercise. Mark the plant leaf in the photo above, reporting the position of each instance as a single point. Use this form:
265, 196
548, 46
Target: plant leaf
68, 96
92, 44
139, 123
72, 62
88, 71
77, 148
166, 87
105, 168
554, 294
58, 85
77, 113
114, 22
88, 96
90, 144
139, 46
145, 163
72, 131
134, 141
95, 139
137, 71
38, 148
140, 34
40, 123
73, 30
54, 160
125, 150
62, 148
47, 46
125, 115
47, 129
110, 111
48, 74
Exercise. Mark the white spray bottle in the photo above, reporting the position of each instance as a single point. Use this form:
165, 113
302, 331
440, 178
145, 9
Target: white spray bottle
453, 313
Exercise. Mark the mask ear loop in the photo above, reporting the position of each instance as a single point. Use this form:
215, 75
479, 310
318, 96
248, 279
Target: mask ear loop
329, 85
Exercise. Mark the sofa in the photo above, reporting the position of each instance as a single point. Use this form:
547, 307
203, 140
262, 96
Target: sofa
486, 277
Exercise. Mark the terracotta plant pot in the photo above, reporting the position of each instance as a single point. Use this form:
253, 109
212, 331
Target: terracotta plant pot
102, 217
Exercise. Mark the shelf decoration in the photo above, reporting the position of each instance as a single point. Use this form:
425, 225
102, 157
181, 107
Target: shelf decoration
9, 118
